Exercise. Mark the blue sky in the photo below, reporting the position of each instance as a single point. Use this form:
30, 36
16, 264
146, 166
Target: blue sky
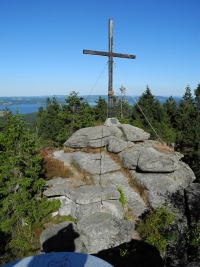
42, 42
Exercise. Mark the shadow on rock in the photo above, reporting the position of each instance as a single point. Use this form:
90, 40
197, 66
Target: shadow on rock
64, 240
135, 253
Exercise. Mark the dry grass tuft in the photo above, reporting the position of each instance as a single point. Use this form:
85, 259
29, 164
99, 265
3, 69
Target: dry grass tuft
83, 149
163, 148
53, 167
68, 149
92, 150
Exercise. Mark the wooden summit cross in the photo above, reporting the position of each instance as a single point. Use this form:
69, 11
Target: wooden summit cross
110, 55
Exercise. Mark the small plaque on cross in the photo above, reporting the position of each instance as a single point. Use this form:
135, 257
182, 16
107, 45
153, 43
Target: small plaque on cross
111, 122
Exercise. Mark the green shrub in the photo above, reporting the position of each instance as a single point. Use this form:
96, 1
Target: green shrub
154, 229
192, 241
122, 198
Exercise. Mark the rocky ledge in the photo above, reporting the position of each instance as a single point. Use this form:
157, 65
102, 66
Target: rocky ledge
117, 159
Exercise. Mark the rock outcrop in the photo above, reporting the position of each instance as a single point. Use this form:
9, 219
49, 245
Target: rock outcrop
148, 175
193, 202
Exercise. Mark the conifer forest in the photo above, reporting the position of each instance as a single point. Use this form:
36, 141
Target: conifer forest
24, 167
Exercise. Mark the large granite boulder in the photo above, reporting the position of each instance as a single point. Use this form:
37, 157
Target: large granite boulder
133, 133
160, 185
91, 137
192, 193
116, 145
150, 160
91, 234
101, 231
129, 158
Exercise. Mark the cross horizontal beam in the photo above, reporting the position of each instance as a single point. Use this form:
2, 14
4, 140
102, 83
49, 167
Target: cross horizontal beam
108, 54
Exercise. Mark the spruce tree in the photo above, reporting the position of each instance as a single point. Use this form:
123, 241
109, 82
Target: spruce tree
186, 126
75, 115
20, 184
170, 108
49, 122
148, 112
196, 154
100, 110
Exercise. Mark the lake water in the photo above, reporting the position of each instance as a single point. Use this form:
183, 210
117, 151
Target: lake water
23, 108
28, 108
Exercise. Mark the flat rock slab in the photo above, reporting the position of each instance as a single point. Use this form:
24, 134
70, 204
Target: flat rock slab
113, 207
193, 199
57, 190
102, 231
91, 137
114, 179
84, 194
90, 194
78, 211
133, 133
94, 163
150, 160
66, 182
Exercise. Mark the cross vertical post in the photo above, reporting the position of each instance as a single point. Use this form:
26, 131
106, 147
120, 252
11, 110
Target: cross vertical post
110, 56
110, 69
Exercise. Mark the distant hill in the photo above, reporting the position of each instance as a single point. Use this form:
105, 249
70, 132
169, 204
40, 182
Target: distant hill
41, 100
130, 99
